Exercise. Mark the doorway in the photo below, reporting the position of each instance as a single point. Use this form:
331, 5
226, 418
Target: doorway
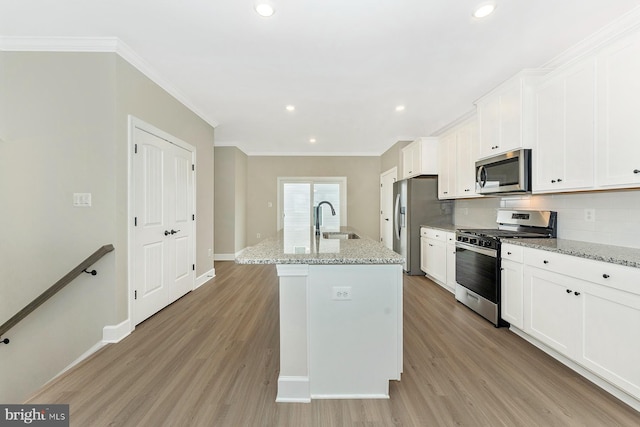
386, 206
162, 236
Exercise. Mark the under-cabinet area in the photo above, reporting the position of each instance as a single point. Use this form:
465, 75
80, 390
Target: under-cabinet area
582, 311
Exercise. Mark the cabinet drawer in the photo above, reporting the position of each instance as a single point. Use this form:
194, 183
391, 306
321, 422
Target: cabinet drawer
603, 273
434, 234
450, 238
512, 252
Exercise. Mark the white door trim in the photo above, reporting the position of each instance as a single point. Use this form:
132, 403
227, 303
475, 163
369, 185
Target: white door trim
136, 123
393, 174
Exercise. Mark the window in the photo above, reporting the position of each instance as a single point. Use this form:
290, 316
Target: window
297, 198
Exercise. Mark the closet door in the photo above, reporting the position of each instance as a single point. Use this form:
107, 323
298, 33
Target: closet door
163, 269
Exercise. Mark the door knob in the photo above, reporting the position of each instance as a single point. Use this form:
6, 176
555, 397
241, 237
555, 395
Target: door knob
174, 231
166, 232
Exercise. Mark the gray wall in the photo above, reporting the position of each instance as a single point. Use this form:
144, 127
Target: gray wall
393, 157
363, 196
64, 130
138, 96
230, 201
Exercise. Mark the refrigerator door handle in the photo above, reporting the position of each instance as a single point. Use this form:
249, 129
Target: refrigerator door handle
396, 220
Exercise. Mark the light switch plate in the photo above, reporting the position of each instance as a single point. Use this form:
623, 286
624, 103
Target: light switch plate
82, 200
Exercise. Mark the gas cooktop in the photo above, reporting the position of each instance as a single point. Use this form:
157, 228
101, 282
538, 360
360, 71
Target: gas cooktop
497, 233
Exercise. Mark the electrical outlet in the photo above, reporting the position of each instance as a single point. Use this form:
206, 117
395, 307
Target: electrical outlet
341, 293
210, 252
590, 215
258, 235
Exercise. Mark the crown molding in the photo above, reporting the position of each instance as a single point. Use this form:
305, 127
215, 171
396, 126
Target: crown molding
101, 45
625, 24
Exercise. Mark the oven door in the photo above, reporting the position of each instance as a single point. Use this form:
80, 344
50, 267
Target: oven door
477, 270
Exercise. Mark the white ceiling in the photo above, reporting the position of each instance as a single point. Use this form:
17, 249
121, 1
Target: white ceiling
344, 64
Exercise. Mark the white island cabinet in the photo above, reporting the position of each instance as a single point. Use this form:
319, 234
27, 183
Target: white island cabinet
340, 316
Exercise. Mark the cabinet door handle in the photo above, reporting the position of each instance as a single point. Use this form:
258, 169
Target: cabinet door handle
430, 244
545, 261
508, 253
605, 276
636, 171
576, 293
569, 291
559, 179
553, 181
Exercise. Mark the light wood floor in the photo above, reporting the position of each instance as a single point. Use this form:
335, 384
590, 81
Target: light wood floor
211, 359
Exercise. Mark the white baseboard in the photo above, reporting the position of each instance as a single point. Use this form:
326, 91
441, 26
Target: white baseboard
201, 280
227, 257
115, 333
293, 389
97, 346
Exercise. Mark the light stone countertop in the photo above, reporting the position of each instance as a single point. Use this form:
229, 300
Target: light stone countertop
614, 254
301, 246
451, 228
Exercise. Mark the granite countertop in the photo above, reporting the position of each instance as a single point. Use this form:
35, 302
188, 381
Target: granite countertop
301, 246
444, 227
452, 228
608, 253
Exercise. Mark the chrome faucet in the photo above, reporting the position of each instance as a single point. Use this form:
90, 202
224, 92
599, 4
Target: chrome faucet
319, 211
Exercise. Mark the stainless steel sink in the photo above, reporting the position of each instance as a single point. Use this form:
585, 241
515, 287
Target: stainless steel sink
339, 235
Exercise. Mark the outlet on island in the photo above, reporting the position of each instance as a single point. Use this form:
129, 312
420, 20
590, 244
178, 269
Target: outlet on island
258, 235
341, 293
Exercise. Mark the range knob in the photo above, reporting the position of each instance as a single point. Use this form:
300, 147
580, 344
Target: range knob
465, 239
473, 241
486, 244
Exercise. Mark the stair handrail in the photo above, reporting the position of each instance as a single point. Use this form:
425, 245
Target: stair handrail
54, 289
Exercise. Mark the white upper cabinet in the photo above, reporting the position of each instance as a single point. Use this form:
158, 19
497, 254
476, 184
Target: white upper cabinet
564, 126
447, 175
458, 153
420, 158
618, 142
466, 155
505, 115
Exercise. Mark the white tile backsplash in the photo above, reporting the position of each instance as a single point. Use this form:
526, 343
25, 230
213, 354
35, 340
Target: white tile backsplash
616, 221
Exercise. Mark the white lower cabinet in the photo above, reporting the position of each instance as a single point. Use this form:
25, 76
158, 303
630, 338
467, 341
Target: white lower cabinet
435, 259
512, 292
552, 309
588, 311
451, 262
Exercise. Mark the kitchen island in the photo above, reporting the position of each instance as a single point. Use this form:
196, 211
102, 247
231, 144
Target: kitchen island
340, 313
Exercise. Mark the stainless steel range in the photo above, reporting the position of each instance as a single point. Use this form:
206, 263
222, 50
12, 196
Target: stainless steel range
478, 257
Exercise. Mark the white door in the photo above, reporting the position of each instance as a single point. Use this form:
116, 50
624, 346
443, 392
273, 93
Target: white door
163, 186
386, 206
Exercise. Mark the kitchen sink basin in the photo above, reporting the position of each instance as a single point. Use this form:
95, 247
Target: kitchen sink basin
339, 235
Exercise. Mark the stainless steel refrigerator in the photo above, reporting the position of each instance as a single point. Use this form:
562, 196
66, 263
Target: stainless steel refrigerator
415, 203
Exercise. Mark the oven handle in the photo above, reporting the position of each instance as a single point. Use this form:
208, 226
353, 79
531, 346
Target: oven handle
489, 252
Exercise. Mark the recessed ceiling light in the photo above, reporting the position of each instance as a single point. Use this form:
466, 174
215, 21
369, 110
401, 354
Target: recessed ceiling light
400, 108
312, 140
265, 9
483, 10
290, 107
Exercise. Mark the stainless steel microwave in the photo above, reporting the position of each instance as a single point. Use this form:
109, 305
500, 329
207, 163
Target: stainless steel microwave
505, 173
